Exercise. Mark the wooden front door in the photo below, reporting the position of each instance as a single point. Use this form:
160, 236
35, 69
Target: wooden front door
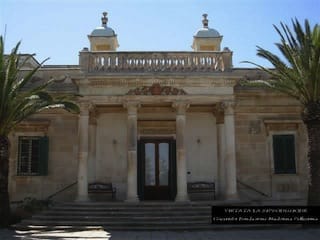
156, 169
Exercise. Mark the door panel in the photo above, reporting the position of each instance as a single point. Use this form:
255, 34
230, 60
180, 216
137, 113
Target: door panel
173, 170
163, 164
150, 164
156, 169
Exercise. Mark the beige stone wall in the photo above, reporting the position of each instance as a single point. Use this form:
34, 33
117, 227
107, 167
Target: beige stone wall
62, 164
201, 147
111, 156
259, 114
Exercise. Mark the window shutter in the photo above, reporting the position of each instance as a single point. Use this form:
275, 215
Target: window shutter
19, 171
290, 165
43, 156
284, 154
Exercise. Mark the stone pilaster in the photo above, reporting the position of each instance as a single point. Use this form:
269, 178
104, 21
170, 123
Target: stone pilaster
221, 185
230, 151
83, 152
182, 193
92, 145
132, 167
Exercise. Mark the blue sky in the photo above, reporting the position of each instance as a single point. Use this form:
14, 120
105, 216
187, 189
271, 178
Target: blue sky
58, 28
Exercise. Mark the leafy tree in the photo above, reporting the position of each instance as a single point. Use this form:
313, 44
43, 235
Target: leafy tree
298, 75
18, 101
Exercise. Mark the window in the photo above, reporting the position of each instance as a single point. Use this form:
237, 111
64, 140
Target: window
33, 156
284, 154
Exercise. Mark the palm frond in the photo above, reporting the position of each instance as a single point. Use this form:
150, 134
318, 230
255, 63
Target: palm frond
299, 74
18, 99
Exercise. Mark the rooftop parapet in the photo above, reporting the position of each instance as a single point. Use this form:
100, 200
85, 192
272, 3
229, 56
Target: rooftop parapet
152, 62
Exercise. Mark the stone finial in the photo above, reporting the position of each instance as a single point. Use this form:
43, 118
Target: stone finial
205, 20
104, 19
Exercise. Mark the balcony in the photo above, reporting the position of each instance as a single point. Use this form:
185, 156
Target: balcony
154, 62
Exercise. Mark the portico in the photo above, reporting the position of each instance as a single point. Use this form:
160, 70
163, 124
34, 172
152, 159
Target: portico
173, 109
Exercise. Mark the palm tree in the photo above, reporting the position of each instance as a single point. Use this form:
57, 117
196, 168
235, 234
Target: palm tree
299, 77
18, 101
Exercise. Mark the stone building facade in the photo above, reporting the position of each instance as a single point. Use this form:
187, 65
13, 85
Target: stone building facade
152, 122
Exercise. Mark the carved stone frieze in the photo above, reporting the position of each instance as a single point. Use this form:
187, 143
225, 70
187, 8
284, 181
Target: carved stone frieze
156, 89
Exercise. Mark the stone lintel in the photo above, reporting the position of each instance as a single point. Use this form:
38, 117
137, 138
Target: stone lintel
33, 125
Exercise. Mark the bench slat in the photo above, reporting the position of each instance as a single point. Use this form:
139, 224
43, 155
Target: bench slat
98, 187
201, 187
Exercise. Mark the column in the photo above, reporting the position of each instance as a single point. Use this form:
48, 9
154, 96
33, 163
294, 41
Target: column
221, 152
83, 152
230, 151
132, 167
92, 146
182, 193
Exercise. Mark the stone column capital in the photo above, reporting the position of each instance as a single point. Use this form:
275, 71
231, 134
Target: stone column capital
94, 113
85, 108
228, 107
132, 107
181, 107
219, 113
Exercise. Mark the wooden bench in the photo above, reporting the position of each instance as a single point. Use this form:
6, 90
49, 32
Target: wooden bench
102, 188
202, 187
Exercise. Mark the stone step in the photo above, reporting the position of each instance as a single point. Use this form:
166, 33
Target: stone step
130, 206
123, 223
121, 228
202, 227
141, 203
76, 208
126, 213
123, 216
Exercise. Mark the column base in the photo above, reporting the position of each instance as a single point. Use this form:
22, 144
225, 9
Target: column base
82, 199
182, 198
132, 200
232, 197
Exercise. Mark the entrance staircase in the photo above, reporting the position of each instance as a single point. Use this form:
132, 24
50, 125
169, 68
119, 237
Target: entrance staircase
122, 216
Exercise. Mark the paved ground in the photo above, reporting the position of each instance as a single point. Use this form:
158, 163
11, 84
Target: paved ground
282, 234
